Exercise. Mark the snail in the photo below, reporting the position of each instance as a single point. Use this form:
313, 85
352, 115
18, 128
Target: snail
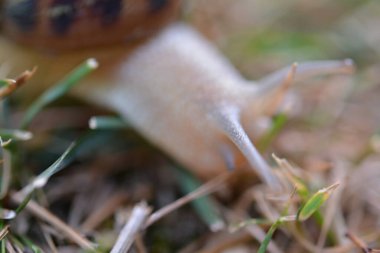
160, 74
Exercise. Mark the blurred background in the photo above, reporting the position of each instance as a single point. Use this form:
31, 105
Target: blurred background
330, 135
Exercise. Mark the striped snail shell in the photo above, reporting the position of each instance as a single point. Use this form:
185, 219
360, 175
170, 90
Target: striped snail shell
72, 24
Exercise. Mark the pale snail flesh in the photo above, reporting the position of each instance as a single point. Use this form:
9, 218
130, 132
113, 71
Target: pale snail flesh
179, 92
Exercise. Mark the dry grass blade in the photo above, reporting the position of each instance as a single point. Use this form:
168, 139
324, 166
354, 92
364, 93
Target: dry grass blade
49, 239
50, 218
105, 211
360, 243
10, 248
282, 90
129, 232
201, 191
223, 242
256, 232
4, 232
10, 85
139, 243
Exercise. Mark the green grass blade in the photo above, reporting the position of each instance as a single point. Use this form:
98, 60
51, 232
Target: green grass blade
58, 165
72, 151
24, 202
107, 122
42, 179
204, 206
3, 249
272, 229
315, 202
15, 134
58, 90
279, 122
235, 227
302, 190
268, 236
27, 243
6, 167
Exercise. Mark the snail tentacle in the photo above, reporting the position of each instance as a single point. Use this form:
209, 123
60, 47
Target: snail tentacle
306, 70
269, 100
228, 119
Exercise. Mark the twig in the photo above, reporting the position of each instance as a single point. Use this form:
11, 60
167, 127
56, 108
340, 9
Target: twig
50, 218
205, 189
135, 223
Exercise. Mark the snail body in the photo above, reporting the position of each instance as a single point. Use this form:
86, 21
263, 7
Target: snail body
178, 91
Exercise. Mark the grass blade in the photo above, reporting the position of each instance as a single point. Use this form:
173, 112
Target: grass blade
107, 122
132, 227
204, 206
279, 122
3, 250
24, 202
29, 245
8, 86
315, 202
235, 227
58, 90
42, 179
6, 214
269, 235
6, 167
15, 134
4, 231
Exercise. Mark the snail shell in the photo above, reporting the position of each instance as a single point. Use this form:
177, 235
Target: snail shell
75, 24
